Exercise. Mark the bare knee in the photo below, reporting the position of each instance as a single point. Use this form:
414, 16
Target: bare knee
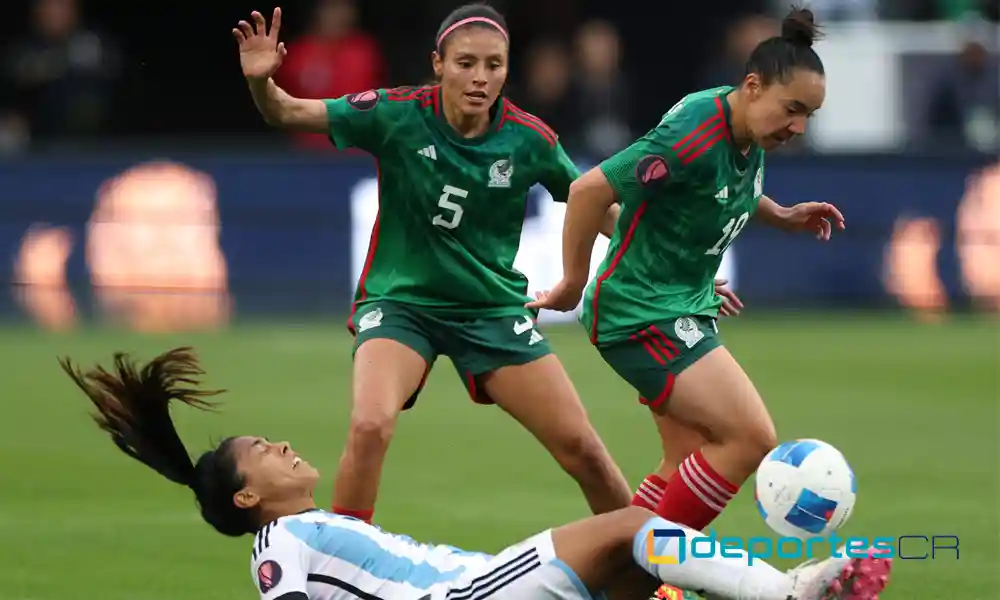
755, 441
583, 455
370, 434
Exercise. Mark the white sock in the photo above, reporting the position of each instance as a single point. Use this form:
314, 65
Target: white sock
732, 576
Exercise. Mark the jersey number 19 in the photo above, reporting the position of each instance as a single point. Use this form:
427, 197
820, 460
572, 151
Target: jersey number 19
729, 233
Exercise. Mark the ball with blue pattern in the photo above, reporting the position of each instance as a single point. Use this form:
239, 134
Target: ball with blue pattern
805, 489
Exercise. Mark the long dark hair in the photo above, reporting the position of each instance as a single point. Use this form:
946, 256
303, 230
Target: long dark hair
133, 406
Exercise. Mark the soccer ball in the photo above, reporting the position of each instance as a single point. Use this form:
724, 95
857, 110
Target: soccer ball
805, 489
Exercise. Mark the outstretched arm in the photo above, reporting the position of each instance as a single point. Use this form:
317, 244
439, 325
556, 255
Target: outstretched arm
260, 56
281, 109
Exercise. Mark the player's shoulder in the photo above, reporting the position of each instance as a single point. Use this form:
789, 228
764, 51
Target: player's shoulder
286, 534
697, 108
694, 127
524, 123
395, 98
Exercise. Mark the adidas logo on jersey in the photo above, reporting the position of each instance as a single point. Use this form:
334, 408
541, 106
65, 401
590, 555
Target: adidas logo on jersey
430, 152
723, 193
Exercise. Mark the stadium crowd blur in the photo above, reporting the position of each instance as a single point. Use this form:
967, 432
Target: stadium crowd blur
84, 74
79, 70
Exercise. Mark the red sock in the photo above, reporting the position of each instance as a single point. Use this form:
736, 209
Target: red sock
649, 492
364, 515
695, 494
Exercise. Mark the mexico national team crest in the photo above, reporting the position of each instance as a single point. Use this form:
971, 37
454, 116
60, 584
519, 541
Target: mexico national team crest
363, 100
268, 576
500, 173
686, 330
369, 320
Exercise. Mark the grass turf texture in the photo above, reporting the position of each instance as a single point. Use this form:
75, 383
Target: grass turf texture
914, 407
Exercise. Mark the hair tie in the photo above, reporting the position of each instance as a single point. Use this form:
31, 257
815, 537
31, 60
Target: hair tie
463, 22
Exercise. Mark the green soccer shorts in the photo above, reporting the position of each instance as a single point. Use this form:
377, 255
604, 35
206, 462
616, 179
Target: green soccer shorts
652, 358
476, 346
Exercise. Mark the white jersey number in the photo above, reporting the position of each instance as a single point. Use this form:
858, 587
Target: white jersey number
454, 208
729, 233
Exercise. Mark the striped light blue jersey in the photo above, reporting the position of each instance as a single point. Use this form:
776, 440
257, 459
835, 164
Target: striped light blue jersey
322, 556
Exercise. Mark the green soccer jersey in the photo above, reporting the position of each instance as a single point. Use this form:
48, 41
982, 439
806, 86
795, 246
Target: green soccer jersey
450, 208
686, 192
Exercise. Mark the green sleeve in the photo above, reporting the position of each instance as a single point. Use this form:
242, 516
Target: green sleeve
559, 172
358, 120
649, 162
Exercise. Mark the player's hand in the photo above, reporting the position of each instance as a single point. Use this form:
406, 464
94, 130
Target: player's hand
818, 218
564, 297
731, 303
260, 52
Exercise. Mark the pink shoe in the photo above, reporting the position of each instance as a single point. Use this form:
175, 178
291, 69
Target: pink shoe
841, 578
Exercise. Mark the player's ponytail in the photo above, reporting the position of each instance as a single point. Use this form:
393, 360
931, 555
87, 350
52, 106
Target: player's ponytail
133, 406
774, 58
799, 28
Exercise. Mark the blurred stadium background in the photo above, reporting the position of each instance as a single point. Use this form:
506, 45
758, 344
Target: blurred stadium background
144, 204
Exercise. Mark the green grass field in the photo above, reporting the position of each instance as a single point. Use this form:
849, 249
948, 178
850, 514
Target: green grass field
914, 407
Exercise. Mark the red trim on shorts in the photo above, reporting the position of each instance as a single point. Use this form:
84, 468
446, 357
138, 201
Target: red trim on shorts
663, 351
473, 389
626, 241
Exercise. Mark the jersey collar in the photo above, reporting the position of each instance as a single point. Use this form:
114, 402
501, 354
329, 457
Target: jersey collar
499, 107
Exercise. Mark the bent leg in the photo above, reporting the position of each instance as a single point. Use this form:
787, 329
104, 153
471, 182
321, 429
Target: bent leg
541, 397
606, 551
391, 363
506, 361
716, 396
603, 552
696, 390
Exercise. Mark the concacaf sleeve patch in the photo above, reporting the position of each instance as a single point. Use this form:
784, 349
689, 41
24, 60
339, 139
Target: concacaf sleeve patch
651, 169
363, 100
268, 576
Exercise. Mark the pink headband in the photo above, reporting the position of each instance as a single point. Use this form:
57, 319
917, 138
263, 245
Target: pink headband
486, 20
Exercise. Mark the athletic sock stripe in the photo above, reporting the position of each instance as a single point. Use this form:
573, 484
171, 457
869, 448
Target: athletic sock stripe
465, 593
692, 485
649, 491
653, 490
710, 481
705, 483
647, 497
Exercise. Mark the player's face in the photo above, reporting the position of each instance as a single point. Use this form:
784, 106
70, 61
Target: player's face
473, 69
272, 471
778, 112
